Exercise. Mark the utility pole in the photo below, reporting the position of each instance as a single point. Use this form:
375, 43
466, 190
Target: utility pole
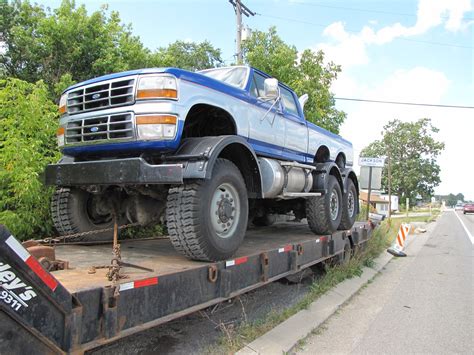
389, 184
240, 9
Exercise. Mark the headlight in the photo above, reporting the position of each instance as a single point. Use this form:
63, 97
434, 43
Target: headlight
156, 126
157, 87
63, 104
60, 136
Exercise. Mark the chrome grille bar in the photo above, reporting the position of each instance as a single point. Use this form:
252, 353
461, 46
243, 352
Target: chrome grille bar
97, 96
100, 129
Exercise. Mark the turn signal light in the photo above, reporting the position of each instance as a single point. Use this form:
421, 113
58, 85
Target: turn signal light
62, 104
60, 136
156, 119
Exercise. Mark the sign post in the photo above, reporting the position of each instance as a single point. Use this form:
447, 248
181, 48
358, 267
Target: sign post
374, 165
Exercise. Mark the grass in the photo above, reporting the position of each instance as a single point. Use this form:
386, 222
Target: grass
236, 338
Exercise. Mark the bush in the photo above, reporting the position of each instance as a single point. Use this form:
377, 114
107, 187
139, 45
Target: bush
28, 122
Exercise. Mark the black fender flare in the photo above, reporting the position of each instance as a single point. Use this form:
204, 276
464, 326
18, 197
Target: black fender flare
321, 175
199, 154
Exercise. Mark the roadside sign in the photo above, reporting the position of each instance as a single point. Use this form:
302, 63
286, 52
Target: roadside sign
370, 178
374, 162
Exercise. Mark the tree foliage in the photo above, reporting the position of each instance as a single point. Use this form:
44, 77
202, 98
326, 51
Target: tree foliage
28, 122
412, 151
451, 199
68, 45
187, 55
304, 72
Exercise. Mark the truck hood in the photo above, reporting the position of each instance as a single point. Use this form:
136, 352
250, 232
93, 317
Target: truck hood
175, 71
194, 77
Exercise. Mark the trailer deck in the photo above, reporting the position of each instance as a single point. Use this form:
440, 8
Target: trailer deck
160, 256
76, 310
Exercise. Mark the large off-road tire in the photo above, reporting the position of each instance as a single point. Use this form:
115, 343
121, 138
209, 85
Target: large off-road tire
324, 212
265, 220
349, 207
73, 211
207, 219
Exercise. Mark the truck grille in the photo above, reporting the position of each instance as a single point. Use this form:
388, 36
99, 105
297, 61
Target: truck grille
101, 95
102, 128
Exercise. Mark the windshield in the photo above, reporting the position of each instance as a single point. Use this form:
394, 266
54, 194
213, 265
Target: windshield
235, 76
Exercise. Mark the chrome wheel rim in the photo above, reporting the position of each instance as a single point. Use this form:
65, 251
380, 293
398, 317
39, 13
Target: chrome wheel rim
334, 205
350, 204
225, 210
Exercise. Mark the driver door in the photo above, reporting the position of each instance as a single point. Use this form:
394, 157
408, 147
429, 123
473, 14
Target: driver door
267, 124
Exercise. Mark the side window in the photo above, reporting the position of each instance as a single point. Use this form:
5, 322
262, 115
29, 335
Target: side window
258, 82
253, 88
289, 101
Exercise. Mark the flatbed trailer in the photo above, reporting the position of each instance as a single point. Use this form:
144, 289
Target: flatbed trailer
77, 310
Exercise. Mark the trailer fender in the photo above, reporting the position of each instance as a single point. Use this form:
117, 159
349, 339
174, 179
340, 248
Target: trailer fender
200, 154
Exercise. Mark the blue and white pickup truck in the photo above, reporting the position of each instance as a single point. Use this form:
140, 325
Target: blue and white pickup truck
209, 151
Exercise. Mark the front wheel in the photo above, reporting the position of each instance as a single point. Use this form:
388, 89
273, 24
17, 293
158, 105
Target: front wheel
324, 212
207, 219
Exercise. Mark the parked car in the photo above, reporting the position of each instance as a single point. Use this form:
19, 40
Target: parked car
468, 208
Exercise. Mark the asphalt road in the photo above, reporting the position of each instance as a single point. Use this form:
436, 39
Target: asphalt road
423, 303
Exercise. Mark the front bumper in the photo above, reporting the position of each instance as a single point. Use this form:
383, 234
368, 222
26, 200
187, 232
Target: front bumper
113, 172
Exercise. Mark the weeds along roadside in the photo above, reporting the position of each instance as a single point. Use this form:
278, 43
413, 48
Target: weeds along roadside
234, 338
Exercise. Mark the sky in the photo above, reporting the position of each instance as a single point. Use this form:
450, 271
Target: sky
417, 51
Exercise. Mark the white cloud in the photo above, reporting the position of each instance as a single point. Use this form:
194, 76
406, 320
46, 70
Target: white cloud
350, 49
366, 120
419, 84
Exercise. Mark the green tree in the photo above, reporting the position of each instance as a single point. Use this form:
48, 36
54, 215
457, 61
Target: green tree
28, 122
187, 55
304, 72
48, 45
413, 152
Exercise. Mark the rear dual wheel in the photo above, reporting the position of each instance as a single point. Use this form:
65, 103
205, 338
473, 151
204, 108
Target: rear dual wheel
334, 210
349, 206
324, 213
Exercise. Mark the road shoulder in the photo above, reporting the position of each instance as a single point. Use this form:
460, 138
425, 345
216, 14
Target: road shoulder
284, 337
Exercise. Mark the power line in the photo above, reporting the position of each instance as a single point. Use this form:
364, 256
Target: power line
402, 103
357, 32
366, 10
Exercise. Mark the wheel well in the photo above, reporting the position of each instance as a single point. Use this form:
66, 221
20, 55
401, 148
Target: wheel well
341, 160
322, 155
248, 166
206, 120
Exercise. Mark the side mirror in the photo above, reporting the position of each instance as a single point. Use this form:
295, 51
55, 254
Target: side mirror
271, 89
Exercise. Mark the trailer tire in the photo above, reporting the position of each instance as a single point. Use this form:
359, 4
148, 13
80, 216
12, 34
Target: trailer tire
324, 212
71, 214
207, 219
349, 207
